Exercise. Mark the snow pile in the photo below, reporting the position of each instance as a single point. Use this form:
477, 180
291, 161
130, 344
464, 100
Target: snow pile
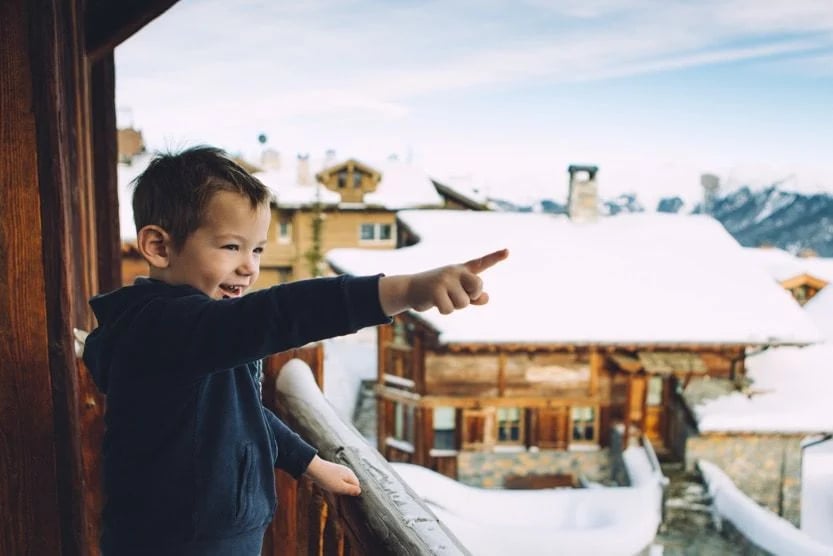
817, 492
790, 387
610, 521
758, 524
347, 361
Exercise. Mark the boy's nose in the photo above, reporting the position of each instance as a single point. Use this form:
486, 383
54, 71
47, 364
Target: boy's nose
249, 266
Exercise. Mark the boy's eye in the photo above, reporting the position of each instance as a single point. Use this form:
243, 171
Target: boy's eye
231, 247
258, 250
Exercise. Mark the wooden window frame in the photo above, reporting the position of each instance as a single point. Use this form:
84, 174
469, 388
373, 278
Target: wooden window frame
521, 427
583, 441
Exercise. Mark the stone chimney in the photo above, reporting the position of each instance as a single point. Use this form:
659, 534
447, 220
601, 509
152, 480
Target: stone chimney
304, 177
583, 197
270, 159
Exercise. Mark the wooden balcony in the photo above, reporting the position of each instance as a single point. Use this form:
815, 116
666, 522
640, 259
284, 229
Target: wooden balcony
388, 517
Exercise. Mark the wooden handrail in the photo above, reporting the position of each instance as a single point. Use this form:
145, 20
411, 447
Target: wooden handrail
388, 517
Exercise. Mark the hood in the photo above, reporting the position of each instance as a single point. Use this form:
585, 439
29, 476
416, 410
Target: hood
115, 312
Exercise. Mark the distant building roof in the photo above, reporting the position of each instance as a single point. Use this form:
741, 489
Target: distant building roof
402, 185
642, 279
783, 265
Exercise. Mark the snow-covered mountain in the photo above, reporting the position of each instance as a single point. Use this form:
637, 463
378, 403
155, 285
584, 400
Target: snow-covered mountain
767, 216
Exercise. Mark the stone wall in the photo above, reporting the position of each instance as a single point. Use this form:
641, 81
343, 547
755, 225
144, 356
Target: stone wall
767, 468
488, 469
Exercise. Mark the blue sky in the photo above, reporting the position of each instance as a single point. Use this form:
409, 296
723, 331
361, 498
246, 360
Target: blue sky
503, 93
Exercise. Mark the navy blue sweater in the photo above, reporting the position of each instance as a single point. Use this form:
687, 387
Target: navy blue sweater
189, 449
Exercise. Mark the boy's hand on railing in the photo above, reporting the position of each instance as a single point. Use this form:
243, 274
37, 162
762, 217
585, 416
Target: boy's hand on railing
333, 477
447, 288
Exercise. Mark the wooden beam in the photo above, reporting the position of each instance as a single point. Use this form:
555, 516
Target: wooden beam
109, 23
501, 374
105, 174
596, 368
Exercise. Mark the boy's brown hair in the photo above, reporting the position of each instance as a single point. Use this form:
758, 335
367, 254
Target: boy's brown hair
175, 188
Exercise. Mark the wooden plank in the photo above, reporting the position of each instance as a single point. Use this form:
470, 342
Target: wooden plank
28, 483
46, 201
109, 23
105, 173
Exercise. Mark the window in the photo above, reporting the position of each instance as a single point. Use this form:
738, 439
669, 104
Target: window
284, 231
357, 180
444, 418
403, 428
654, 396
385, 232
342, 179
509, 426
367, 232
583, 424
376, 232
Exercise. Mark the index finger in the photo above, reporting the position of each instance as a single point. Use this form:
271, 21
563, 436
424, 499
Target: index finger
486, 261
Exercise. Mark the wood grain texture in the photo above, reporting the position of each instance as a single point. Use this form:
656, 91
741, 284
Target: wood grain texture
28, 458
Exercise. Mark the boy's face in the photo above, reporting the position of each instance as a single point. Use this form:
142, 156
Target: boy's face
222, 257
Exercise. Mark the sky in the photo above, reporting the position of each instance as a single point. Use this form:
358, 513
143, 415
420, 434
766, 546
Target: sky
500, 95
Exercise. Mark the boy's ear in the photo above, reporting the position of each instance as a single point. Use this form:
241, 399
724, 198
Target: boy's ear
155, 245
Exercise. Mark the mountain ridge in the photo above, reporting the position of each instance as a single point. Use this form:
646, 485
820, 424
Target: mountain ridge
766, 216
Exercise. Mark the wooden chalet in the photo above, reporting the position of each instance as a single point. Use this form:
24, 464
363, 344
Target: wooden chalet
59, 245
586, 330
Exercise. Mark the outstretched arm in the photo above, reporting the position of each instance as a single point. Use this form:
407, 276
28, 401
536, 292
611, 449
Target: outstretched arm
447, 288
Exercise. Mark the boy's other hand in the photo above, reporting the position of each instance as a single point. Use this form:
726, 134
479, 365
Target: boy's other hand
447, 288
333, 477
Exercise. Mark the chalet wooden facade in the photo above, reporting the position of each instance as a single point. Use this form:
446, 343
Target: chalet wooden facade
438, 401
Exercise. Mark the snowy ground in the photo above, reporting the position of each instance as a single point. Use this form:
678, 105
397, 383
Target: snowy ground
764, 528
602, 520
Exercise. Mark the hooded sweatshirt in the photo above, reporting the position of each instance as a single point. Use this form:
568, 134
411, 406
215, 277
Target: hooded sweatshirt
189, 450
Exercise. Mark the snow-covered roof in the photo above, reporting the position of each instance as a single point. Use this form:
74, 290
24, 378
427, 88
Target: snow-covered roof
783, 265
403, 185
641, 279
791, 387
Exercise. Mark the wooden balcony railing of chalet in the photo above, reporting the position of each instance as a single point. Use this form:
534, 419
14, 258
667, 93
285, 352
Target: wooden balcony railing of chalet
388, 517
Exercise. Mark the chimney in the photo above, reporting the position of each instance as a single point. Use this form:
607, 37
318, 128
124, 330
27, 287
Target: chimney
329, 158
583, 196
304, 177
710, 184
270, 159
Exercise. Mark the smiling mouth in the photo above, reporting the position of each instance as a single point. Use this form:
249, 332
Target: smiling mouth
231, 291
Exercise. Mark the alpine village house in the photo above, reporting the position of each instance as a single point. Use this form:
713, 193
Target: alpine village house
593, 325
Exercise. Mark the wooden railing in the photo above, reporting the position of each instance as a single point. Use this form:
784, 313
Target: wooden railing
388, 517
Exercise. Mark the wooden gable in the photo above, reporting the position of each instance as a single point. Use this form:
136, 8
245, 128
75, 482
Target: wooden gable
350, 179
803, 287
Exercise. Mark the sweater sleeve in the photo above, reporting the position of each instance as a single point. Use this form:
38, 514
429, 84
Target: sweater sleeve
294, 454
220, 334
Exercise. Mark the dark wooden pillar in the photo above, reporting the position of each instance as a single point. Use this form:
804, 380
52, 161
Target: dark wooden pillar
46, 273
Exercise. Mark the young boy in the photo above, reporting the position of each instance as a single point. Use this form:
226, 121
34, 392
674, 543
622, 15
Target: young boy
189, 449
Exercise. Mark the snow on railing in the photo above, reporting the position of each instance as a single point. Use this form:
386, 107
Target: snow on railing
388, 517
758, 524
